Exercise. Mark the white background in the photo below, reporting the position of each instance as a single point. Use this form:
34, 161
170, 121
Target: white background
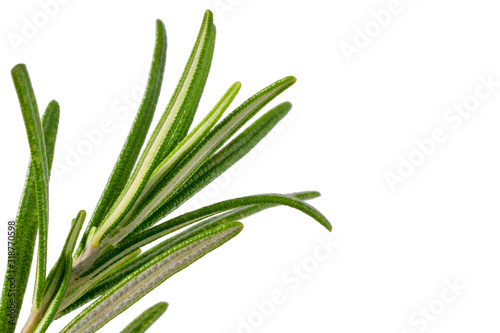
353, 119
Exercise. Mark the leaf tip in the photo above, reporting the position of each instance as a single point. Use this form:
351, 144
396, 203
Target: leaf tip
236, 86
81, 214
291, 79
162, 306
208, 15
328, 226
236, 226
286, 82
18, 68
286, 106
315, 194
160, 25
54, 104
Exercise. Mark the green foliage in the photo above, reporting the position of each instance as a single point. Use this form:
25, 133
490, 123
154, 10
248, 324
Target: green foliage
108, 264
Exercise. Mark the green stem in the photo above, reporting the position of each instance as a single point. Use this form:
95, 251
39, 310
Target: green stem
34, 319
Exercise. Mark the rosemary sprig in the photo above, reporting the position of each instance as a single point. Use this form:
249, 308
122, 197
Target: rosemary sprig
108, 264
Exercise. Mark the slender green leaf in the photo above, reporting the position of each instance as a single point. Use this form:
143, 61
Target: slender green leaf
148, 277
136, 137
132, 243
26, 230
162, 134
142, 323
40, 168
238, 214
174, 224
184, 119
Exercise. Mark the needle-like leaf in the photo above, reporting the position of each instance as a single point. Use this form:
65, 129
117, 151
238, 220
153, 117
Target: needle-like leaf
136, 137
181, 126
160, 143
178, 115
18, 271
142, 323
243, 212
40, 167
154, 233
148, 277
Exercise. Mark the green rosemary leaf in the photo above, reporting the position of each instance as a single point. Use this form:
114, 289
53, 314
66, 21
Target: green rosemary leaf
184, 119
174, 224
26, 230
243, 212
166, 187
148, 277
161, 136
146, 319
136, 137
221, 161
39, 162
250, 210
61, 290
187, 90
